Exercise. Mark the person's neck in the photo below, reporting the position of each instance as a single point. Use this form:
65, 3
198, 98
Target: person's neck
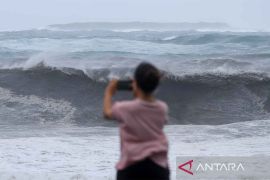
144, 97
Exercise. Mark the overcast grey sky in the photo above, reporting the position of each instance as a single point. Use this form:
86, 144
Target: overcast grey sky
24, 14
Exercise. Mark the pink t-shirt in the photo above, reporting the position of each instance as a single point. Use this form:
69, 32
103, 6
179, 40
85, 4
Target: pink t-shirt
141, 131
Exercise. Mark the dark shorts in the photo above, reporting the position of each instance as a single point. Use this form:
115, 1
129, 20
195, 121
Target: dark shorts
144, 170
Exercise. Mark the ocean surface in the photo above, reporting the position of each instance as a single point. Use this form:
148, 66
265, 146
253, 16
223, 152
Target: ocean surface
216, 83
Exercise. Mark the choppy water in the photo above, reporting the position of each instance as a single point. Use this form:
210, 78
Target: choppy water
52, 83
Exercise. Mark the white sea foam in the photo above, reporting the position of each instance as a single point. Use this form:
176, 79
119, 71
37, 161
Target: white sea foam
102, 69
169, 38
237, 30
91, 153
51, 107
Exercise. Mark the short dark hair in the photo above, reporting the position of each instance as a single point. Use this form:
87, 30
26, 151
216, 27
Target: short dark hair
147, 77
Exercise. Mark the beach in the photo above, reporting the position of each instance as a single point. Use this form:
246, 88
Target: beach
91, 153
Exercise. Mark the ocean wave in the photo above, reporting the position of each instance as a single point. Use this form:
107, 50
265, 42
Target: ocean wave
177, 37
234, 30
31, 109
169, 38
104, 74
214, 37
124, 68
196, 99
101, 69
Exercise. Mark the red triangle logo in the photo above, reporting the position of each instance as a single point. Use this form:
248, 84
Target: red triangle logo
182, 167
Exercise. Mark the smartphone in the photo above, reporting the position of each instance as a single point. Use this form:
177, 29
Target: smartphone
124, 85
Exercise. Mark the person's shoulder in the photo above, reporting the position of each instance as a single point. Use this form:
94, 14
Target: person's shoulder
125, 104
163, 105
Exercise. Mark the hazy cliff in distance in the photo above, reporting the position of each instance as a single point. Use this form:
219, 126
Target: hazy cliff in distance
138, 25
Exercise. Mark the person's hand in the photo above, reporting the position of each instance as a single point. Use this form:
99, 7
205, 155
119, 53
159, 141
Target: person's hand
112, 87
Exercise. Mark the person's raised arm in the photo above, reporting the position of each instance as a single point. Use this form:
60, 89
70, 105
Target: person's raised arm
109, 92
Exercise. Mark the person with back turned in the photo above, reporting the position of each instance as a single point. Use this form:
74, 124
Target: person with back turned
144, 146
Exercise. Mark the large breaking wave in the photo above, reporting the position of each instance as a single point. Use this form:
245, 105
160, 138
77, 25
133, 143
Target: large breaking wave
193, 99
